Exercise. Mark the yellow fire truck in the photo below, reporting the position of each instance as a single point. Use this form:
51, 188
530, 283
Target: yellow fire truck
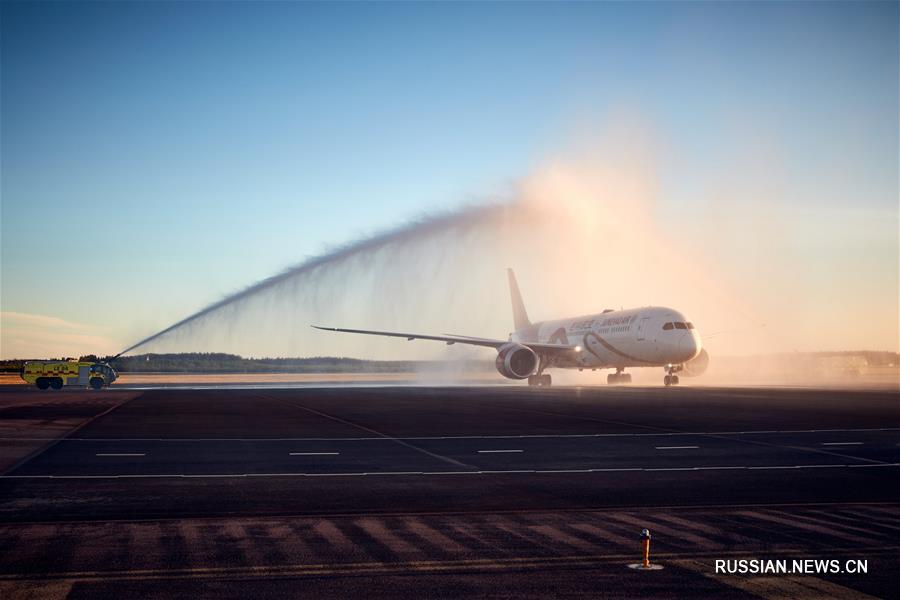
57, 373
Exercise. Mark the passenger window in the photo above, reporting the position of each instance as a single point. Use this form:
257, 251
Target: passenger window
680, 325
667, 326
690, 325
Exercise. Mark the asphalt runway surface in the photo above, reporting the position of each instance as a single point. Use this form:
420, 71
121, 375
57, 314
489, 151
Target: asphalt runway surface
441, 492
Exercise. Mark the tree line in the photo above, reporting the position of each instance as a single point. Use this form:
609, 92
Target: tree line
219, 362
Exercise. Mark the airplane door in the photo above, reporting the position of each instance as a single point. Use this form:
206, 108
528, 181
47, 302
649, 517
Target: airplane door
642, 328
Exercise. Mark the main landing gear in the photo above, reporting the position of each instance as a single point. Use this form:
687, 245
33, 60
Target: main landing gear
618, 377
539, 379
671, 378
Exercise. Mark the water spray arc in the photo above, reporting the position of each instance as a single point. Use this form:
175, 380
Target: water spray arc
460, 219
582, 239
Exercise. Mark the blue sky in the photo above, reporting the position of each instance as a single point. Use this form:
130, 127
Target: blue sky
156, 156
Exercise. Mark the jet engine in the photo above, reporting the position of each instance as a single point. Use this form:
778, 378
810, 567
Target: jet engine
516, 361
697, 365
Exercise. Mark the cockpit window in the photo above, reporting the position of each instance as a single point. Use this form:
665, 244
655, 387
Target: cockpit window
680, 325
667, 326
690, 325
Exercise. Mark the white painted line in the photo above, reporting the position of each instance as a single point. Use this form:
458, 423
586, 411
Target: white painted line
121, 454
431, 473
313, 453
673, 469
497, 451
842, 443
458, 437
677, 447
717, 468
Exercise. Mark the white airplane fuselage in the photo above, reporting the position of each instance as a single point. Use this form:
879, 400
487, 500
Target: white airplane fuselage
641, 337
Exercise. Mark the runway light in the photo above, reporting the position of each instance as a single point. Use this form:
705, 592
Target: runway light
645, 542
645, 565
577, 348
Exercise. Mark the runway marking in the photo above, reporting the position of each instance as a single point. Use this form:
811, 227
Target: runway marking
460, 437
842, 443
439, 457
693, 525
674, 533
335, 537
497, 451
377, 529
313, 453
831, 522
677, 447
562, 537
121, 454
432, 535
789, 521
437, 473
605, 535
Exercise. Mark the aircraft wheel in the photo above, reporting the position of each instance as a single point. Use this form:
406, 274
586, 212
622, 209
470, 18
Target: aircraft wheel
532, 380
42, 383
96, 383
546, 380
56, 383
667, 380
674, 379
626, 377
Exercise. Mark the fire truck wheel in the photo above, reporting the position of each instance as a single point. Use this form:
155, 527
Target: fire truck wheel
56, 383
42, 383
96, 383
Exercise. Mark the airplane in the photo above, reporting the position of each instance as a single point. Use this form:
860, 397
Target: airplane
638, 337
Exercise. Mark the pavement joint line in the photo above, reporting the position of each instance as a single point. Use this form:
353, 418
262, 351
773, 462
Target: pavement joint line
498, 451
404, 443
121, 454
313, 453
673, 469
842, 443
54, 442
794, 447
717, 468
457, 437
432, 473
677, 447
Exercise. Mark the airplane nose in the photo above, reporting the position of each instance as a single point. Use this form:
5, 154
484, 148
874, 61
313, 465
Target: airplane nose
689, 346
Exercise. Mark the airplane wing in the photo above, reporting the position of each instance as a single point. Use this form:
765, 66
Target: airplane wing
556, 349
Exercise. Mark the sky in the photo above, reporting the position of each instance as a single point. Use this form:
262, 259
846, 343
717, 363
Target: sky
157, 156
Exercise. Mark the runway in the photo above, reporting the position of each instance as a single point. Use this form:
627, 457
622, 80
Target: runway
488, 490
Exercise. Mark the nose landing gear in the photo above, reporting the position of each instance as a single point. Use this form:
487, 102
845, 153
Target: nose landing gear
671, 378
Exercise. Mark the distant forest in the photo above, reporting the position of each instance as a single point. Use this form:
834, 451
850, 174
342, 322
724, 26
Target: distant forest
217, 362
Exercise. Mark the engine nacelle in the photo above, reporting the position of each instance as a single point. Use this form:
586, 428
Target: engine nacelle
697, 365
516, 361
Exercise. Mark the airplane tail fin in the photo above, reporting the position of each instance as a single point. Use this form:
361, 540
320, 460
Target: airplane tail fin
520, 317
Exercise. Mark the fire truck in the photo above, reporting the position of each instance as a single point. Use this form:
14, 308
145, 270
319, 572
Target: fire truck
58, 373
